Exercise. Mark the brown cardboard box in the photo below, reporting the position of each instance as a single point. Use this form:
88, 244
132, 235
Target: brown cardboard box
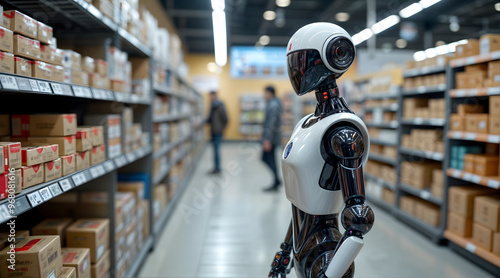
5, 23
7, 62
21, 23
144, 204
68, 272
83, 139
99, 81
407, 204
477, 79
437, 189
88, 64
476, 67
52, 125
428, 212
26, 47
159, 201
79, 77
491, 149
67, 144
469, 162
140, 68
78, 258
6, 40
53, 170
11, 154
97, 155
100, 269
388, 196
495, 124
44, 33
464, 109
496, 244
461, 198
45, 53
22, 66
118, 86
96, 135
58, 73
72, 60
461, 80
10, 183
68, 164
90, 233
4, 125
494, 105
106, 7
471, 123
49, 151
489, 43
32, 175
482, 122
82, 160
482, 236
36, 256
485, 165
487, 211
459, 225
101, 67
52, 226
32, 155
135, 187
471, 48
41, 70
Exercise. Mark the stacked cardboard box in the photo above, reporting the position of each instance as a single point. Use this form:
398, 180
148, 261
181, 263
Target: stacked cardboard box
78, 259
112, 131
425, 80
10, 169
458, 153
423, 210
494, 124
469, 117
418, 174
424, 108
424, 139
486, 226
388, 196
374, 103
379, 116
91, 233
438, 61
387, 151
133, 136
159, 201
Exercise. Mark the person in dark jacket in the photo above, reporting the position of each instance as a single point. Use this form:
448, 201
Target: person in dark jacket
217, 119
271, 136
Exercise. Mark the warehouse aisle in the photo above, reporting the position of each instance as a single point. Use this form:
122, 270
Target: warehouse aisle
227, 227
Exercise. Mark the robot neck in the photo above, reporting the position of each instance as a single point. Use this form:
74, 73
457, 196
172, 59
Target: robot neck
329, 102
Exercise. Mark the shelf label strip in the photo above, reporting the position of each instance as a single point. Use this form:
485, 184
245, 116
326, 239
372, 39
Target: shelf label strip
8, 82
35, 198
65, 185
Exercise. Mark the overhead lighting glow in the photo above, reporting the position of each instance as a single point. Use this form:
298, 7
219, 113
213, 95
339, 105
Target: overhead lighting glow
439, 50
220, 39
264, 40
428, 3
362, 36
419, 56
269, 15
283, 3
440, 43
430, 53
342, 17
411, 10
218, 5
385, 23
401, 43
497, 7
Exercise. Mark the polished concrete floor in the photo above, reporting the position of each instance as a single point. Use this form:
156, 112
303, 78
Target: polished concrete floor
226, 226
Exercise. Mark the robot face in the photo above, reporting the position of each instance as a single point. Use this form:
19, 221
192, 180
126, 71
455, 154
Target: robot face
306, 70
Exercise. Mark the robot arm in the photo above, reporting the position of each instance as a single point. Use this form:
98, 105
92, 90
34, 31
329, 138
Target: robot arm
347, 145
281, 260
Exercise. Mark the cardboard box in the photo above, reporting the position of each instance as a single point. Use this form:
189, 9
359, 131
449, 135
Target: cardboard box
461, 79
461, 198
78, 258
144, 205
22, 66
494, 79
32, 155
140, 68
10, 183
437, 189
98, 155
101, 67
485, 165
106, 7
99, 81
68, 272
112, 131
5, 23
494, 124
496, 244
487, 211
482, 121
21, 23
57, 56
49, 151
7, 62
53, 170
135, 187
41, 70
469, 162
82, 160
101, 268
428, 212
489, 43
4, 125
52, 226
27, 48
482, 236
32, 175
11, 154
96, 135
459, 225
67, 144
68, 164
407, 204
88, 64
471, 123
46, 53
388, 196
58, 73
464, 109
6, 40
79, 77
494, 105
118, 86
89, 233
72, 60
83, 139
36, 256
44, 33
52, 125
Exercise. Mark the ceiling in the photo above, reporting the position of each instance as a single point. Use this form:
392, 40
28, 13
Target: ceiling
245, 23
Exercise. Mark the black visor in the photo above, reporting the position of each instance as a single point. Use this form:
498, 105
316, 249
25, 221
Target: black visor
306, 70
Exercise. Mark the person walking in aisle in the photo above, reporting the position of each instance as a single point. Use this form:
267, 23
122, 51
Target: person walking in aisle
271, 136
217, 119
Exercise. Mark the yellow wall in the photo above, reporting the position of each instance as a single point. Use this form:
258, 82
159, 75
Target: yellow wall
230, 89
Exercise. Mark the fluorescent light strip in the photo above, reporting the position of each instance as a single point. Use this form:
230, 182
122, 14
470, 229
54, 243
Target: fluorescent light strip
220, 32
385, 24
439, 50
411, 10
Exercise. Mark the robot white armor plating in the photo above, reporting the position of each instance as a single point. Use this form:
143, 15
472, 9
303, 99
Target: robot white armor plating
323, 162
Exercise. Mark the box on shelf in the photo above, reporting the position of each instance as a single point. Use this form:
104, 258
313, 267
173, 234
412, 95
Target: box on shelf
32, 175
11, 154
105, 6
494, 105
79, 77
41, 70
88, 64
26, 47
461, 198
135, 187
388, 196
159, 201
21, 23
494, 124
78, 258
45, 33
83, 140
96, 135
407, 204
101, 268
7, 62
118, 86
89, 233
68, 164
496, 244
487, 211
67, 144
112, 131
482, 236
99, 81
459, 225
53, 170
469, 49
140, 68
36, 256
82, 160
58, 73
97, 154
49, 125
4, 124
464, 109
485, 165
489, 43
10, 183
494, 78
68, 272
428, 212
469, 162
22, 66
418, 175
32, 155
52, 226
72, 60
101, 67
144, 205
6, 40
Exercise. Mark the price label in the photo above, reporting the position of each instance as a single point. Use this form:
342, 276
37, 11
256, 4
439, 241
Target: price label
418, 121
141, 152
109, 95
97, 171
119, 96
441, 87
494, 138
79, 179
55, 189
493, 184
421, 89
45, 193
467, 176
457, 134
472, 92
109, 166
34, 86
470, 61
425, 195
56, 87
78, 91
66, 90
8, 82
65, 185
35, 198
131, 157
476, 179
470, 247
456, 174
460, 93
23, 84
437, 156
96, 93
120, 161
4, 213
493, 90
134, 98
86, 91
44, 87
470, 136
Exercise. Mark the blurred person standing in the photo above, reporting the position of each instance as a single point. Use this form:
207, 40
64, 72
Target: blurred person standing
271, 136
217, 119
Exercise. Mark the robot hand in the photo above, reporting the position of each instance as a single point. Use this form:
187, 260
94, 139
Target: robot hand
280, 264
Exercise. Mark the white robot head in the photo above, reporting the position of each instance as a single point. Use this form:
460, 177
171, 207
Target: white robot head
316, 52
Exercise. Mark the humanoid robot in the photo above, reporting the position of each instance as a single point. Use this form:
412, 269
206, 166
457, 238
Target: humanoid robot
323, 162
